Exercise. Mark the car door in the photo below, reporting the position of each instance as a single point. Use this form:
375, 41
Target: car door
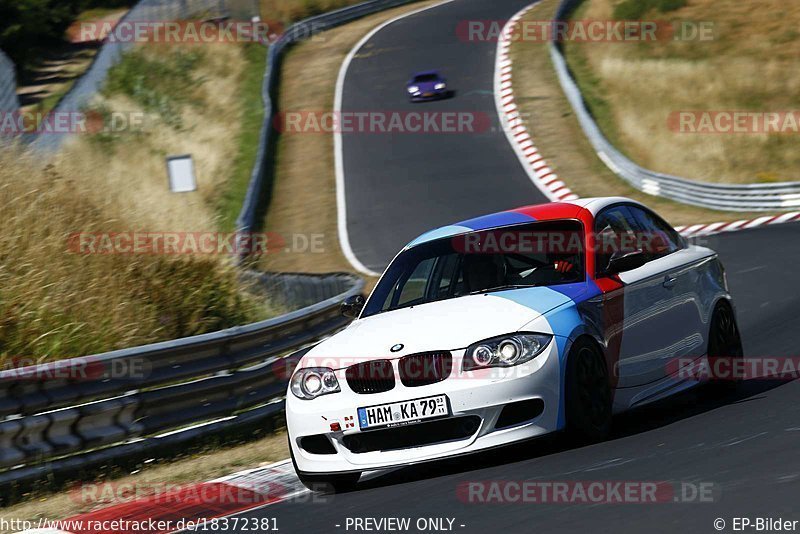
637, 307
682, 308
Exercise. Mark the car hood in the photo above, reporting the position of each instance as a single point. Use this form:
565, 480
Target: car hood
425, 86
443, 325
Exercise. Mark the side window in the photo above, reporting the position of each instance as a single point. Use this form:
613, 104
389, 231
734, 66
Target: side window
615, 231
658, 238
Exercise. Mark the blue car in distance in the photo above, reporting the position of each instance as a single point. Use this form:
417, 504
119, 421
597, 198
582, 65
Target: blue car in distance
427, 85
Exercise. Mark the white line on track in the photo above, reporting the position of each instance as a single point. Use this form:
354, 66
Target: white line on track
341, 199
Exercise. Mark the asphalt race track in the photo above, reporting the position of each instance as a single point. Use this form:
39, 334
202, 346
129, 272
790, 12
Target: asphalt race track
744, 444
399, 185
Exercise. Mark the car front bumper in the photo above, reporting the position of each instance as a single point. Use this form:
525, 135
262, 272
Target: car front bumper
428, 95
476, 398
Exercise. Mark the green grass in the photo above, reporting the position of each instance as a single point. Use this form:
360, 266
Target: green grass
251, 118
49, 103
163, 85
591, 85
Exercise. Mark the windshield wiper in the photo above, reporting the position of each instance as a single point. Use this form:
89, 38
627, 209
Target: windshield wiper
500, 288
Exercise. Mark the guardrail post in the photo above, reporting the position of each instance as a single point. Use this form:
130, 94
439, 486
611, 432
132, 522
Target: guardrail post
97, 424
60, 434
10, 454
31, 438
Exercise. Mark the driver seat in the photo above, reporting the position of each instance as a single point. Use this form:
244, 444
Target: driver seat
483, 271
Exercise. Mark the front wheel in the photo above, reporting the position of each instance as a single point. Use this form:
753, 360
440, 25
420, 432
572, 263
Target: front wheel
588, 393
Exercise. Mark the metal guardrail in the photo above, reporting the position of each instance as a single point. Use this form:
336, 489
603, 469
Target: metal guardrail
730, 197
297, 32
8, 85
67, 414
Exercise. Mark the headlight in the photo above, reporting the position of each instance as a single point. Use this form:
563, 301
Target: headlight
505, 351
413, 89
312, 382
440, 86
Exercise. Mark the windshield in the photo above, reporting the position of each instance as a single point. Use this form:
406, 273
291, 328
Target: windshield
537, 254
425, 78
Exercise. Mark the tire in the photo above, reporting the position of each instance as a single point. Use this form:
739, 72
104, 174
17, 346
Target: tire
724, 341
588, 394
326, 483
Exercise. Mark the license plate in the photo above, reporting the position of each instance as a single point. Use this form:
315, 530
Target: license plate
427, 94
403, 412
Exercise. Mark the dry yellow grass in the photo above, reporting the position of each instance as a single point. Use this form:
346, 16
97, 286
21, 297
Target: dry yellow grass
750, 64
152, 478
287, 11
133, 176
304, 190
55, 304
558, 136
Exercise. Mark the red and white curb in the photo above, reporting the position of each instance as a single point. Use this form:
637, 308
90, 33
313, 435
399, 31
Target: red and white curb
538, 169
188, 506
521, 141
699, 230
193, 507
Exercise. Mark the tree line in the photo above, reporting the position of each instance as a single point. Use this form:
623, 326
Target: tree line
28, 26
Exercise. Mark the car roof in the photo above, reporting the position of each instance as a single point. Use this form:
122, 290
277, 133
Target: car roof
572, 209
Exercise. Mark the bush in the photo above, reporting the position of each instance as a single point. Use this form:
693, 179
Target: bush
28, 25
631, 9
671, 5
160, 84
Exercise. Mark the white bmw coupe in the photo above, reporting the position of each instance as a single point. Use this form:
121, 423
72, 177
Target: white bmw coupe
507, 327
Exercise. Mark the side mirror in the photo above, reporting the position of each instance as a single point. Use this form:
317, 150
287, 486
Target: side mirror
352, 306
621, 262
